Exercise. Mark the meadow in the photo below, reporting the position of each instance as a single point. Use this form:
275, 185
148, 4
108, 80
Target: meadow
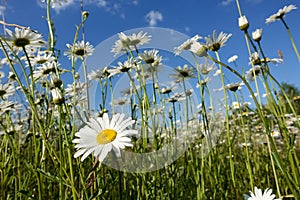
152, 131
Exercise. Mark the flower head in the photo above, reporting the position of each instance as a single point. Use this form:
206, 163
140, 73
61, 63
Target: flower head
45, 70
243, 23
79, 50
215, 42
24, 38
6, 90
256, 35
101, 135
205, 68
183, 73
199, 49
57, 96
186, 45
123, 67
151, 57
281, 13
234, 86
258, 195
232, 59
41, 58
127, 43
253, 72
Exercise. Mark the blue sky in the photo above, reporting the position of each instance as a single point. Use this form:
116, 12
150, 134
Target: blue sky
109, 17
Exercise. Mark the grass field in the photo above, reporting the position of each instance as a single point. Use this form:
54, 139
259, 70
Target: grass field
163, 137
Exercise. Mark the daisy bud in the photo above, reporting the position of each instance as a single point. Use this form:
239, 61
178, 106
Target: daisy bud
243, 23
57, 96
85, 14
256, 35
77, 76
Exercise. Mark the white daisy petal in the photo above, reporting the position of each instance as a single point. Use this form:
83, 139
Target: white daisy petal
102, 135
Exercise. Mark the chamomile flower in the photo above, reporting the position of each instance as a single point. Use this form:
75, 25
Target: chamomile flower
122, 68
199, 49
232, 59
151, 57
205, 68
25, 37
256, 35
97, 74
258, 195
45, 69
127, 43
214, 42
253, 72
6, 106
184, 72
102, 135
280, 14
186, 45
6, 90
79, 50
243, 23
57, 96
235, 105
234, 86
275, 61
42, 58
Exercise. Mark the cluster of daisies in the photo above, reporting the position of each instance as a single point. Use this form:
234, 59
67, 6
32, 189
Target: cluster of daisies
112, 133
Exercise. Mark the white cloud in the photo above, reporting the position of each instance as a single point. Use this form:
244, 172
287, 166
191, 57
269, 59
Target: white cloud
187, 29
58, 5
153, 17
101, 3
135, 2
226, 2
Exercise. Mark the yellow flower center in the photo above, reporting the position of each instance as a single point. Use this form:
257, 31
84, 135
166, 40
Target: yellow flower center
106, 136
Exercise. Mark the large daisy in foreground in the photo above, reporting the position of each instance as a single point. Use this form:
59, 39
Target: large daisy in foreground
24, 38
258, 195
101, 135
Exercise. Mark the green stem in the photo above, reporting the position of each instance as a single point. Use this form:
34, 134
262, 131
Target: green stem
291, 38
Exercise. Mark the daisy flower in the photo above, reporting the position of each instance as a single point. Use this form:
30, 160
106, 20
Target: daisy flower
102, 135
186, 45
256, 35
235, 105
275, 61
41, 58
199, 49
6, 90
243, 23
255, 59
215, 42
128, 64
126, 43
45, 69
232, 59
151, 57
24, 38
97, 74
183, 73
280, 14
57, 96
6, 106
79, 50
205, 68
234, 86
258, 195
251, 73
